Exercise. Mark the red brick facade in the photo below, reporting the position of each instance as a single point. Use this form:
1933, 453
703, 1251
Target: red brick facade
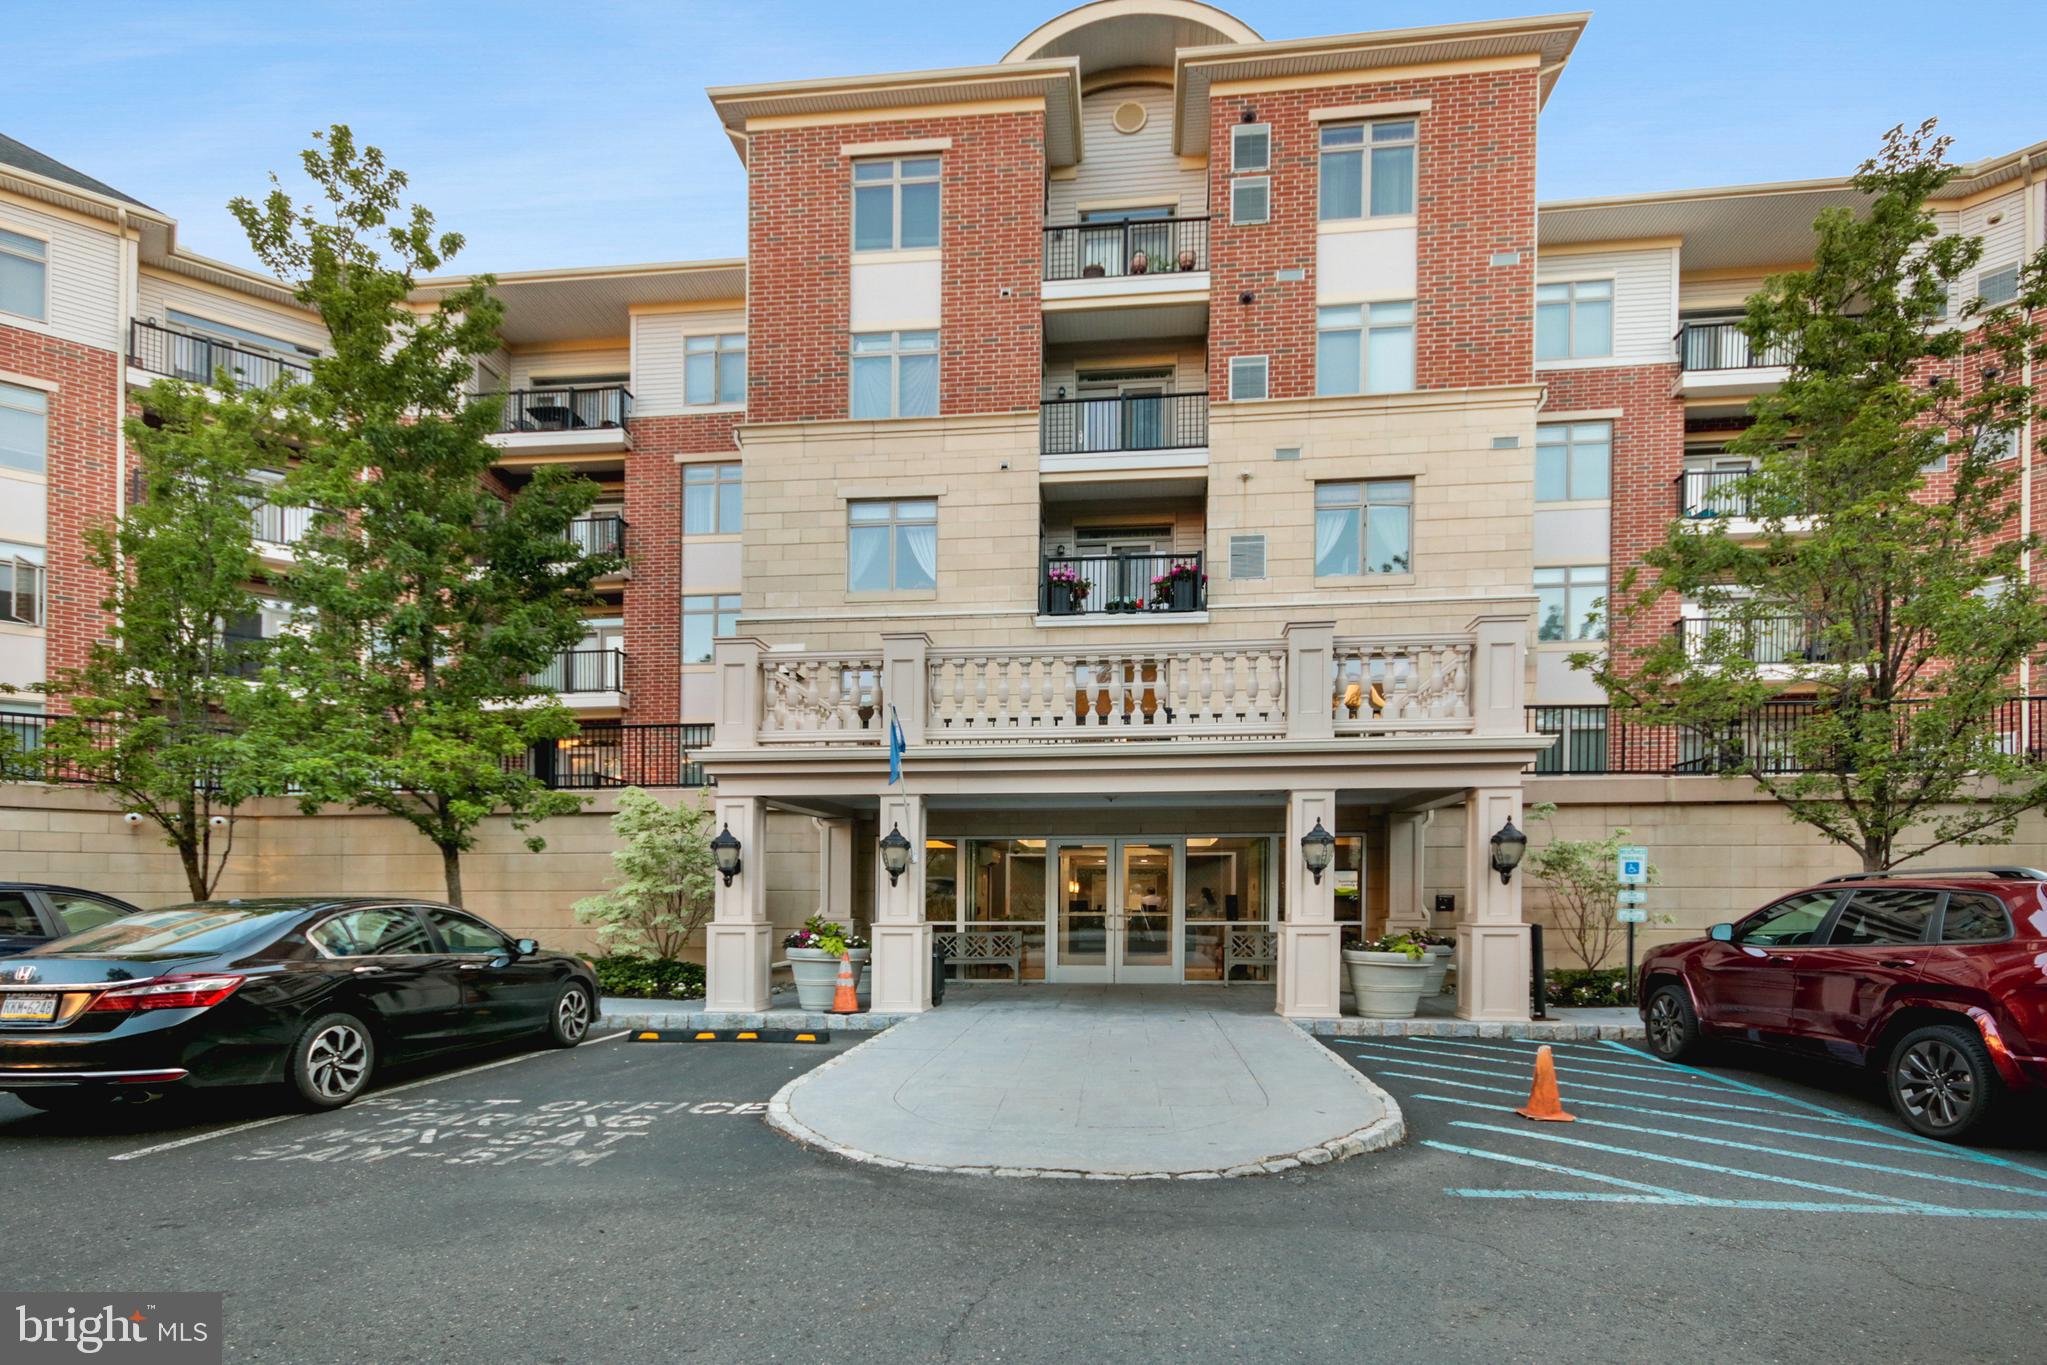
1475, 198
800, 236
653, 514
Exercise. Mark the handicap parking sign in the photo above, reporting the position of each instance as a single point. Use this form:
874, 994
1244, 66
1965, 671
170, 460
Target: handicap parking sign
1633, 866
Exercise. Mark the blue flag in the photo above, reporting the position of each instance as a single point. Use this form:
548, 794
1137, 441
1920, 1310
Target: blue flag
896, 745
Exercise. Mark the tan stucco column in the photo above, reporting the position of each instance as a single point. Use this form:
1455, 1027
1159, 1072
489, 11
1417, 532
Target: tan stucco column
1492, 941
835, 869
900, 934
1405, 907
1310, 947
737, 940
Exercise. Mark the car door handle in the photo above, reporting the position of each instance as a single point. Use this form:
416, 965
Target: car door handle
371, 970
473, 966
1896, 962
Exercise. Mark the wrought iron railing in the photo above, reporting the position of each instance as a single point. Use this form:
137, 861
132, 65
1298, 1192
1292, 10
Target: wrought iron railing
1147, 421
1142, 246
599, 535
274, 524
1082, 585
197, 359
1724, 346
583, 670
604, 407
1761, 639
1703, 493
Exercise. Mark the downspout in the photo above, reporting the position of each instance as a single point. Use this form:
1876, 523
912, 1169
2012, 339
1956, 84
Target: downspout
2032, 212
123, 329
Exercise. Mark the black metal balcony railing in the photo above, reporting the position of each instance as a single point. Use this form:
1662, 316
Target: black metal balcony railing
1123, 583
1723, 346
599, 535
583, 670
1142, 246
1703, 493
157, 349
602, 408
1761, 640
1092, 426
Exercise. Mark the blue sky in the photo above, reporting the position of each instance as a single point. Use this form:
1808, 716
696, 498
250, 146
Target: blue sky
557, 134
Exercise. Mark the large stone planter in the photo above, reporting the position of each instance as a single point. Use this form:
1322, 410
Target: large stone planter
1385, 985
817, 975
1438, 960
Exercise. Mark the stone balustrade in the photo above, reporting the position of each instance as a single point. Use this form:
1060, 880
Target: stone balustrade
821, 699
1390, 686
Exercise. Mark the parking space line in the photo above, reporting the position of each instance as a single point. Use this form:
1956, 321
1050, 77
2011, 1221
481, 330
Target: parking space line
1663, 1193
1643, 1094
1769, 1205
1527, 1050
1530, 1057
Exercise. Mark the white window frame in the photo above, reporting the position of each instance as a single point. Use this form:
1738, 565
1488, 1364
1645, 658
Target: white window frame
1263, 364
719, 607
1570, 302
1570, 580
1366, 326
1567, 441
725, 350
1370, 142
1357, 498
896, 519
723, 477
17, 253
41, 409
1238, 163
1984, 277
894, 182
895, 354
34, 559
1237, 187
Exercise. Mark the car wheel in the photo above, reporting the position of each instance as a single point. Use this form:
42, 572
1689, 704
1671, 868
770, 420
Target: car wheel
332, 1060
568, 1023
1672, 1024
1942, 1082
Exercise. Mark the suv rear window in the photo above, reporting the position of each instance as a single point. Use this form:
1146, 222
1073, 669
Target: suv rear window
1882, 915
1974, 919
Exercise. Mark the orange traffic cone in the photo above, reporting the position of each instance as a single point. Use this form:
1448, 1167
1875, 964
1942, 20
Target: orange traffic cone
1543, 1102
846, 1000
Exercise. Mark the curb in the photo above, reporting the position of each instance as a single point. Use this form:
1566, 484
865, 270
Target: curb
1537, 1030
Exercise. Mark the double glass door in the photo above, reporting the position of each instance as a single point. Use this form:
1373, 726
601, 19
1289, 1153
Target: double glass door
1118, 910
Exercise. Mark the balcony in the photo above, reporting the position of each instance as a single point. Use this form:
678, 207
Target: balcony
1706, 493
1146, 248
1137, 431
1141, 278
276, 529
1718, 360
566, 421
1125, 585
599, 535
585, 678
154, 349
1766, 641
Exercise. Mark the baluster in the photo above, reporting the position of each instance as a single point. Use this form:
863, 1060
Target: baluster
1005, 683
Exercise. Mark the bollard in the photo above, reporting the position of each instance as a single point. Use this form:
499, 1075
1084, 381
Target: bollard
937, 971
1538, 979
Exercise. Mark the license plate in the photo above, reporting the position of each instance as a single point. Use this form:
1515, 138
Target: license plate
21, 1005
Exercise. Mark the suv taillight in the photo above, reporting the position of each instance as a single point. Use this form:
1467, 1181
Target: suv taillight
169, 993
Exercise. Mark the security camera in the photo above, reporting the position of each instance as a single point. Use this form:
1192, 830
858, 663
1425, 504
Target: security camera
216, 821
133, 817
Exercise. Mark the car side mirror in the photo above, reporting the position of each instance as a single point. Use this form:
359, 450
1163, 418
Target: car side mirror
526, 947
1721, 933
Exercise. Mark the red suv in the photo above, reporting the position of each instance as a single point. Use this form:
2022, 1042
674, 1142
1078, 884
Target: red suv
1939, 976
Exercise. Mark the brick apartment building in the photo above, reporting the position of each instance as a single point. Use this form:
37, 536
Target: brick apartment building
1188, 440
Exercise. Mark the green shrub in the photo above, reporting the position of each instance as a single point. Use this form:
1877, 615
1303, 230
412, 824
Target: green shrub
649, 978
1571, 986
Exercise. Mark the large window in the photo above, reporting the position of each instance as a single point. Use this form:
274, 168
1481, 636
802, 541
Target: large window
714, 368
704, 618
22, 584
1364, 348
24, 428
895, 374
1574, 320
24, 275
1571, 603
1367, 170
1573, 461
711, 500
892, 546
895, 203
1364, 528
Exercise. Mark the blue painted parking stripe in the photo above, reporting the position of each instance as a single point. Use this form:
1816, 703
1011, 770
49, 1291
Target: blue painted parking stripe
1663, 1193
1664, 1159
2027, 1190
1771, 1205
1525, 1050
1529, 1057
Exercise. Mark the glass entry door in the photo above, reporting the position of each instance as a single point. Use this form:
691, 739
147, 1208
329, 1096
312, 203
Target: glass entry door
1117, 915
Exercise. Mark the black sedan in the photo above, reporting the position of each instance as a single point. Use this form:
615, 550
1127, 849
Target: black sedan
311, 992
33, 913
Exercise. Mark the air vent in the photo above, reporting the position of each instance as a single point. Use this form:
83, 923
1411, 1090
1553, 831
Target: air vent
1129, 117
1247, 556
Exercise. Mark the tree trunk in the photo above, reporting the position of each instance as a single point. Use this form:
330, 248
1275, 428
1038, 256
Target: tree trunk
451, 867
194, 859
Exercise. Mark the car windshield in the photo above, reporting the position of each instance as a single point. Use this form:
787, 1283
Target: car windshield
190, 929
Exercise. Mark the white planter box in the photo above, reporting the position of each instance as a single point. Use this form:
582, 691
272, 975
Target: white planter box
817, 975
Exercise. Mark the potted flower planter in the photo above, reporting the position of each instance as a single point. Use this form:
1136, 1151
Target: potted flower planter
1437, 957
1092, 271
1139, 263
1386, 977
1187, 260
813, 952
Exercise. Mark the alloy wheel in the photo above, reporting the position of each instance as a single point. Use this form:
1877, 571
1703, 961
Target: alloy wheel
337, 1060
1936, 1083
572, 1014
1666, 1025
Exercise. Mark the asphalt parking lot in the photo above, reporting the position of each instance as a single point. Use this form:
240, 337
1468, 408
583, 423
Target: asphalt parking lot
624, 1202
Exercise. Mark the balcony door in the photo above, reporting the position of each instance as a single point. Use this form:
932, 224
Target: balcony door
1109, 237
1122, 562
1124, 411
1117, 912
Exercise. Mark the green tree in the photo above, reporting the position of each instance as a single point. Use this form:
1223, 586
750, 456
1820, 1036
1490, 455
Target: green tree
1583, 881
1900, 605
662, 892
156, 711
435, 593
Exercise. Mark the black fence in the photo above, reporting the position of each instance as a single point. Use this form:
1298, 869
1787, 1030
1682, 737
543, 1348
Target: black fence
1705, 493
583, 670
1080, 585
599, 535
1723, 346
157, 349
1139, 421
1143, 246
603, 407
1760, 640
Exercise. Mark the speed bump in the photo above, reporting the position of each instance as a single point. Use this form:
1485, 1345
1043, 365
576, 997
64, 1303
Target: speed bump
762, 1035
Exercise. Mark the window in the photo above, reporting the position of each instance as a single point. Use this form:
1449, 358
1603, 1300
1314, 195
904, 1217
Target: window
704, 618
1250, 199
1364, 348
78, 912
24, 275
18, 917
1251, 147
1974, 919
1570, 603
239, 336
1998, 286
1367, 170
22, 584
1787, 923
462, 934
1247, 377
895, 204
1992, 444
1574, 320
379, 931
1364, 528
1884, 915
895, 374
1573, 461
711, 500
892, 546
714, 368
24, 429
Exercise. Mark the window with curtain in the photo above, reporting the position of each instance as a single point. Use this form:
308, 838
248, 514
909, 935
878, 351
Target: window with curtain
1364, 348
714, 369
892, 545
22, 584
1573, 461
24, 275
1571, 603
895, 203
895, 374
24, 429
1364, 528
1574, 320
1367, 170
711, 500
704, 618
